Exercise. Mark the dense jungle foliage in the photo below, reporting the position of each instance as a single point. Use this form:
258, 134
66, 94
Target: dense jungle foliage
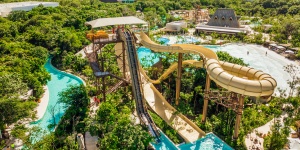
28, 38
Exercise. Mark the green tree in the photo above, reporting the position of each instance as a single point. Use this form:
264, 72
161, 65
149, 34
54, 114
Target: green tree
293, 72
75, 96
278, 138
76, 101
224, 56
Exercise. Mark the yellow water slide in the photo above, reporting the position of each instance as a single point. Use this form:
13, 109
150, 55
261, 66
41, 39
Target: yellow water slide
233, 77
185, 128
173, 67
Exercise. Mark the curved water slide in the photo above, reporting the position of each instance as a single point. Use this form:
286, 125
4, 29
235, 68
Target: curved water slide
233, 77
173, 67
186, 128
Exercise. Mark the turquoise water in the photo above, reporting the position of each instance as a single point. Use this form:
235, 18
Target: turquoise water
165, 41
178, 40
165, 144
209, 142
146, 56
186, 40
59, 81
213, 47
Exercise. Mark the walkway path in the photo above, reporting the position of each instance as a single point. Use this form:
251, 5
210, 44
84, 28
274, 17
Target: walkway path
90, 141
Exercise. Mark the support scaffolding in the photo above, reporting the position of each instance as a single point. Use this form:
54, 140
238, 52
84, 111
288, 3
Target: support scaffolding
96, 60
226, 99
178, 80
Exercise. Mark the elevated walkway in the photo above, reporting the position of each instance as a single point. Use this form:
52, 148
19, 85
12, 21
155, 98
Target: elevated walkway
92, 58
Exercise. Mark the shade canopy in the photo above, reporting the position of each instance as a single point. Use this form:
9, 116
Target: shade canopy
101, 22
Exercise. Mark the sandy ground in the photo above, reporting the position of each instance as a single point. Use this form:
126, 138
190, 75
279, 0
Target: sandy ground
42, 106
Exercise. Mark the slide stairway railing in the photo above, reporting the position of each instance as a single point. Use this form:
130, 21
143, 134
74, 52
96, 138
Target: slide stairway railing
115, 87
129, 40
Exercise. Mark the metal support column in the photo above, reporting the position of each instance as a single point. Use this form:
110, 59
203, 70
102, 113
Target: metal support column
97, 86
178, 80
123, 59
238, 117
206, 97
103, 78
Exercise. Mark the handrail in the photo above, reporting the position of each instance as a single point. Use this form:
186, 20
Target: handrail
114, 87
128, 39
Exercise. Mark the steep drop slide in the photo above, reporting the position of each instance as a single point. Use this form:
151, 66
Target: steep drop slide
186, 128
136, 82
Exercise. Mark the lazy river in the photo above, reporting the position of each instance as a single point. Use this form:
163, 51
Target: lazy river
59, 82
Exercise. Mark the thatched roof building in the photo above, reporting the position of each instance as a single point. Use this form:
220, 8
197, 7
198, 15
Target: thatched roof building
224, 17
224, 21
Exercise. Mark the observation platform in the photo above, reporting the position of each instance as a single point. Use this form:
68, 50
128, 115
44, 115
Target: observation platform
103, 38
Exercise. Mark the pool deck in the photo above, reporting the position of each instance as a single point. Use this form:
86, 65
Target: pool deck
42, 106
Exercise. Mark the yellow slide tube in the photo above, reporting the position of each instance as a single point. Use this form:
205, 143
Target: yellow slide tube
233, 77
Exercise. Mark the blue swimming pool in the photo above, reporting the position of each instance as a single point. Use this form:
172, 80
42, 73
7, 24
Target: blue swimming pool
59, 81
165, 144
178, 40
186, 40
209, 142
164, 40
147, 57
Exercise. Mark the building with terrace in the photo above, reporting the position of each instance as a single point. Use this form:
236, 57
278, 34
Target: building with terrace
175, 26
7, 8
197, 15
